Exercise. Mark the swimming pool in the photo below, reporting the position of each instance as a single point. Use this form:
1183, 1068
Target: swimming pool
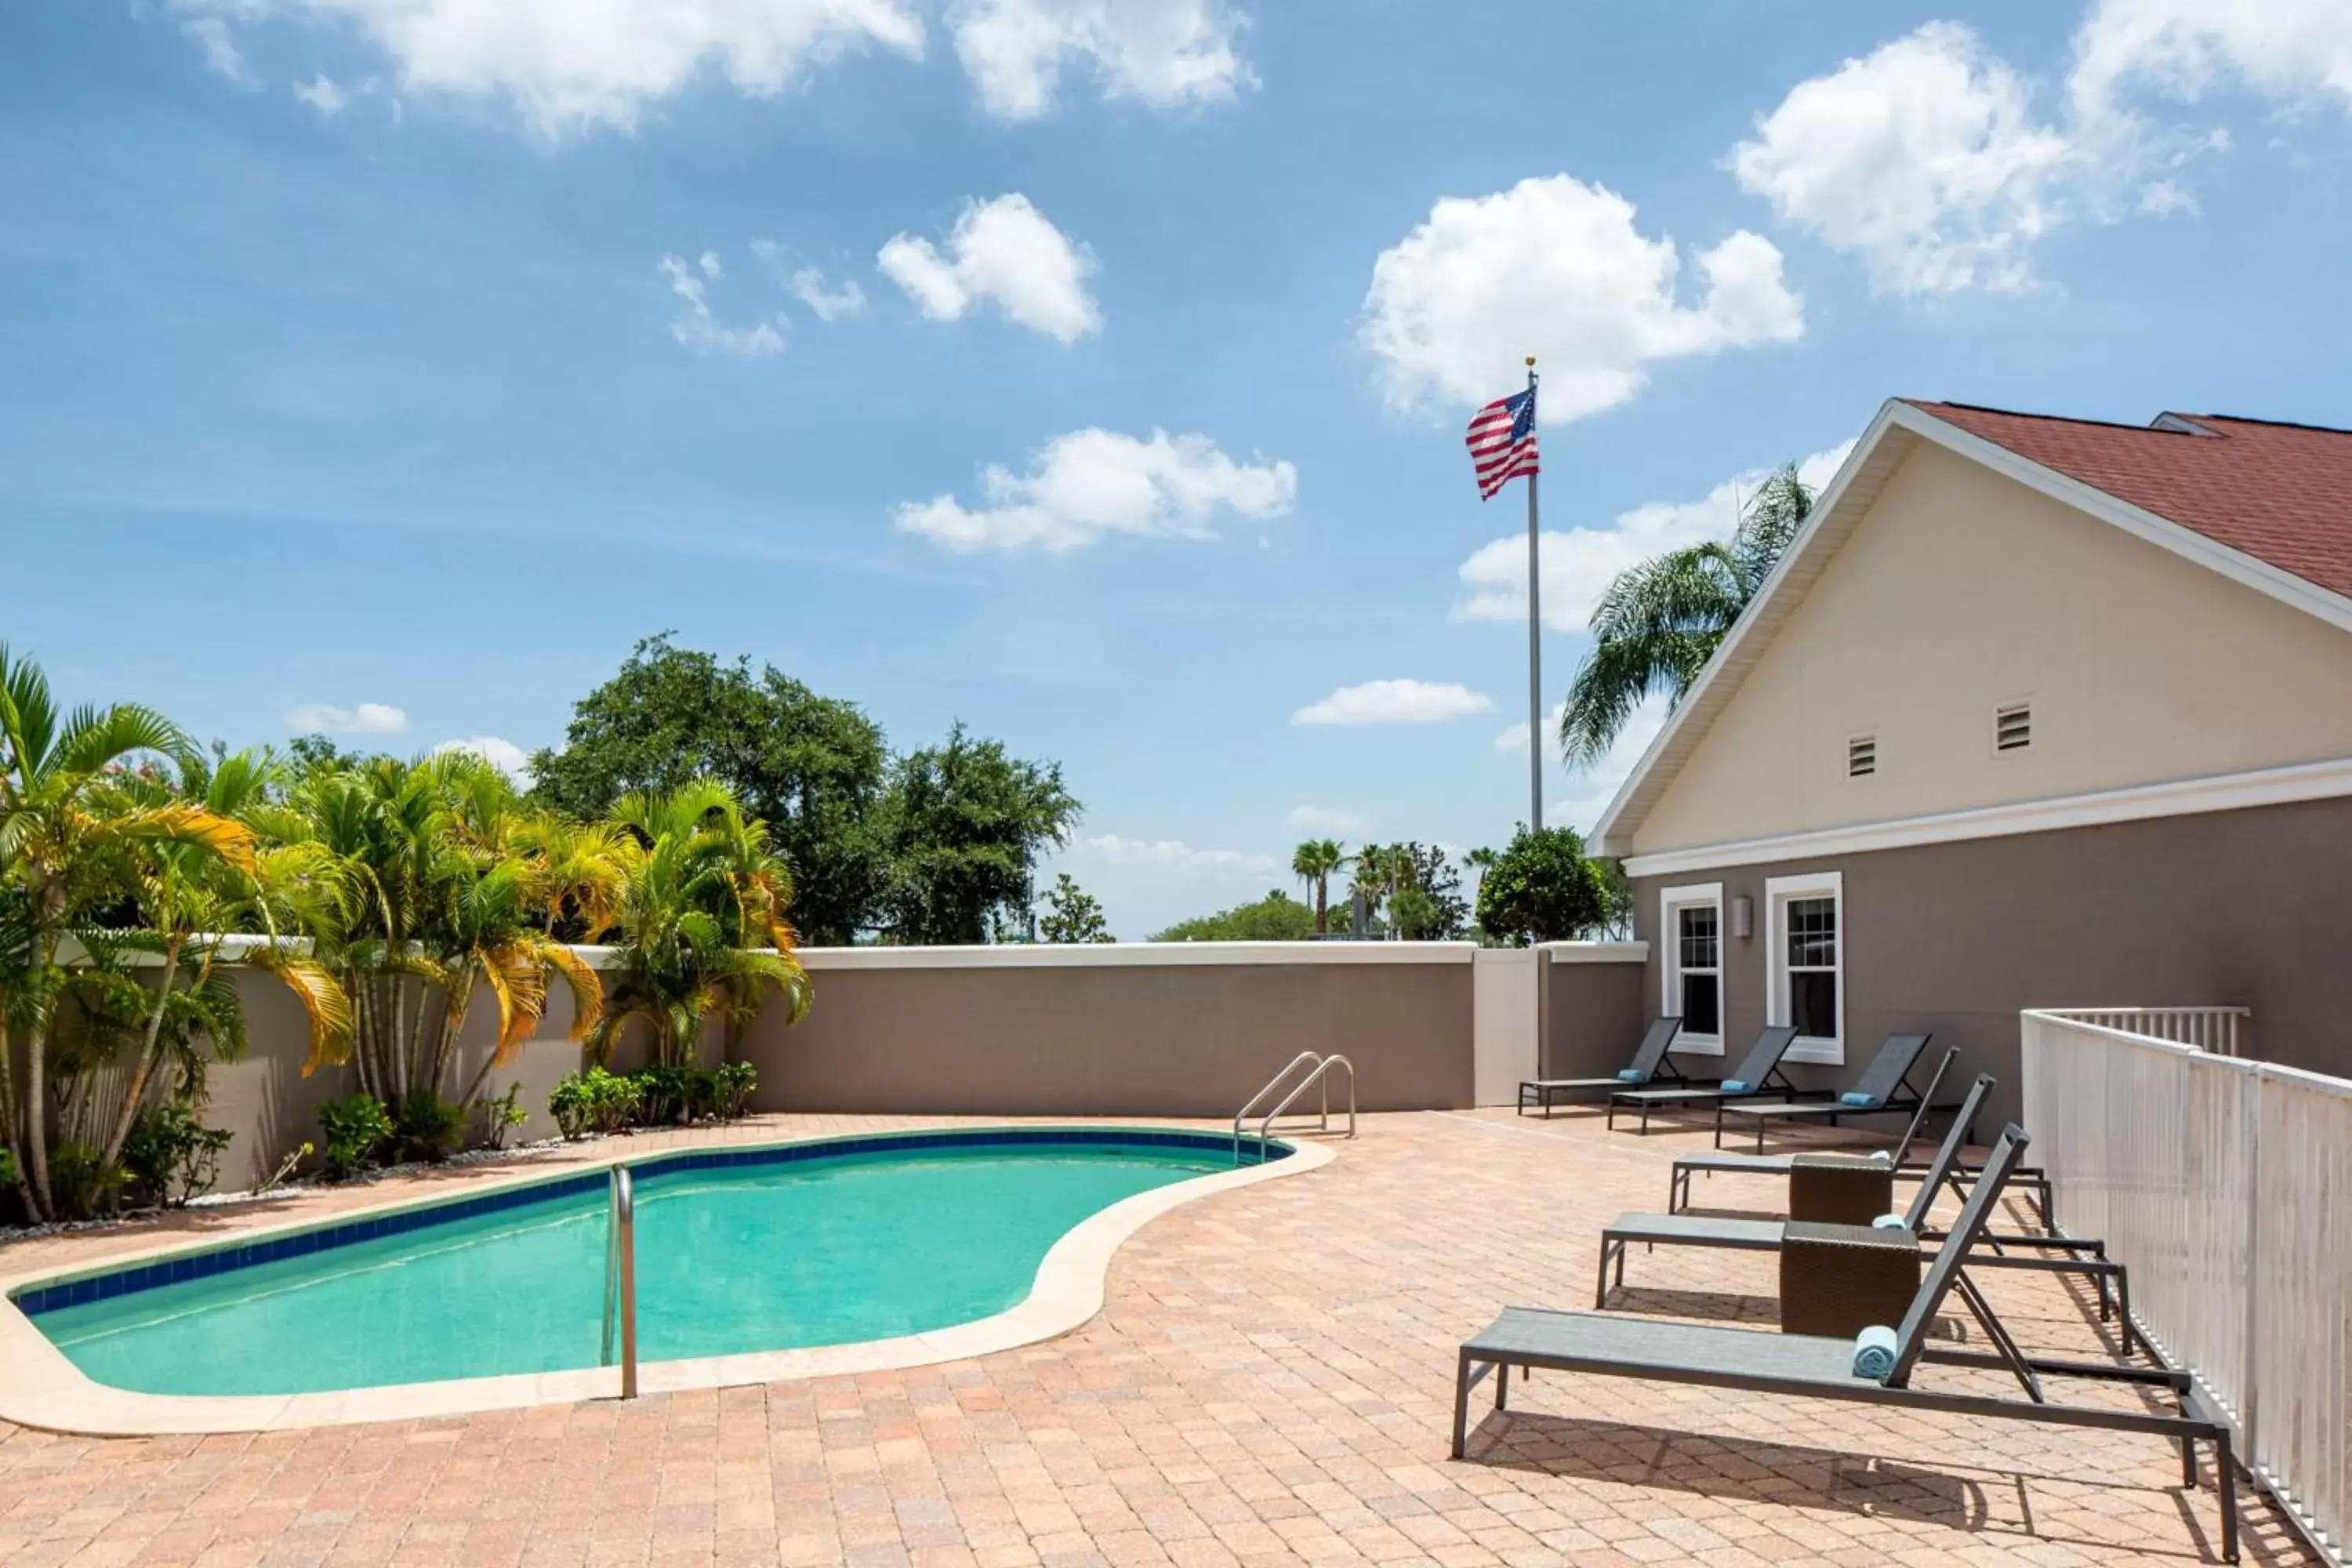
739, 1250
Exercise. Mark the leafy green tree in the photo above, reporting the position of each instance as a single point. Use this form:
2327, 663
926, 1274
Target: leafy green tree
1277, 917
1313, 863
1072, 915
1659, 622
963, 827
813, 768
1542, 888
1440, 913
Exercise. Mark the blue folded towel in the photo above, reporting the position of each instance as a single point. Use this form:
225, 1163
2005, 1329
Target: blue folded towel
1873, 1352
1734, 1086
1890, 1222
1858, 1100
1632, 1075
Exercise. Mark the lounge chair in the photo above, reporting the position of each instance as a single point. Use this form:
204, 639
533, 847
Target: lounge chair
1758, 1073
2076, 1256
1795, 1366
1883, 1089
1649, 1062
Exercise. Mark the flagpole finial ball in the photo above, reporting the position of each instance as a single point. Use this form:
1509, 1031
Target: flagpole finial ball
1531, 361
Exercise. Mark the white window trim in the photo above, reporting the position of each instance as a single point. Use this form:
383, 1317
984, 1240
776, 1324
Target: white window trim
1778, 892
1670, 902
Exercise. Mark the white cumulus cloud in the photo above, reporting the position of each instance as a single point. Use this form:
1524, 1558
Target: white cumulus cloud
806, 283
697, 329
568, 66
1161, 52
1394, 703
2295, 52
1557, 269
1579, 562
1004, 252
325, 718
499, 753
321, 94
1923, 158
1332, 823
222, 57
1090, 484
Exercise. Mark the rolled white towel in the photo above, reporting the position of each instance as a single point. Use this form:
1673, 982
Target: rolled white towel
1873, 1352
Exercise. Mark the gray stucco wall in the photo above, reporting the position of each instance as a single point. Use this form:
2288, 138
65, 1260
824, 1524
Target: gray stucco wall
1593, 1016
2232, 908
1112, 1038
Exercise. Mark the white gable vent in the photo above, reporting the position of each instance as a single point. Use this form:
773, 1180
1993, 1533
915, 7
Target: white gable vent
2013, 727
1861, 756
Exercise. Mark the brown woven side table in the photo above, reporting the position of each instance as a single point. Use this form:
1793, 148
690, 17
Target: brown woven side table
1838, 1189
1839, 1279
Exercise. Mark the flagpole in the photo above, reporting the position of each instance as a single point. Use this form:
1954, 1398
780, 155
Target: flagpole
1535, 652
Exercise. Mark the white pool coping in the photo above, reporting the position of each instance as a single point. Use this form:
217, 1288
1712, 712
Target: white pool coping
40, 1388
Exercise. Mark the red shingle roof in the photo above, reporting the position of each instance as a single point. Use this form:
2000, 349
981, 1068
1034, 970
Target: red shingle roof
2280, 493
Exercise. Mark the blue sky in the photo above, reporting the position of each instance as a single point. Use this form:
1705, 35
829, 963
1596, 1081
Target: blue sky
1092, 371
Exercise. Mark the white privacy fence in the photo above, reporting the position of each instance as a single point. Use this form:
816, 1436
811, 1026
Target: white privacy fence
2215, 1180
2215, 1029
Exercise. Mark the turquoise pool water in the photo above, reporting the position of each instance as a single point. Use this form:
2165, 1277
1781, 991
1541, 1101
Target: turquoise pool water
858, 1244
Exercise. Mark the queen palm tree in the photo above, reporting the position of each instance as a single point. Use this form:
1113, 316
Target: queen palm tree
66, 820
1660, 622
1313, 863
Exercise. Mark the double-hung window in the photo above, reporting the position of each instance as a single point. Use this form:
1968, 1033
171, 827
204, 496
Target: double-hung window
1806, 929
1691, 931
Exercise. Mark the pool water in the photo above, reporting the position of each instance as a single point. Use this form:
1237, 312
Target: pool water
818, 1251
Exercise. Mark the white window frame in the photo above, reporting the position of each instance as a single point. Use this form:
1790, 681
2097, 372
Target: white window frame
1779, 893
1672, 901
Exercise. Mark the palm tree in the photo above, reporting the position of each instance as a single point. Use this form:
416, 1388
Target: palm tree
1660, 622
1313, 863
703, 893
67, 821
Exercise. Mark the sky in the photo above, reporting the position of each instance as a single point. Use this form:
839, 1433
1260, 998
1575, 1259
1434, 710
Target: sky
1091, 372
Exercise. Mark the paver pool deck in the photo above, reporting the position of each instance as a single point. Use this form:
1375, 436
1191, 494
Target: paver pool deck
1270, 1382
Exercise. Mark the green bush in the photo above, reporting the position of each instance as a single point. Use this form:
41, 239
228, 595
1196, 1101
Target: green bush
1542, 888
593, 1101
503, 1115
662, 1095
81, 1184
172, 1157
733, 1084
355, 1128
426, 1127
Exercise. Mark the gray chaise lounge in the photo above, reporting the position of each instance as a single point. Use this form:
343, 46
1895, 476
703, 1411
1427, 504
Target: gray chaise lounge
1758, 1073
1601, 1345
2085, 1257
1880, 1091
1649, 1062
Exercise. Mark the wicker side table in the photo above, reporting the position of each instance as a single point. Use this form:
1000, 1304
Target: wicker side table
1838, 1189
1839, 1279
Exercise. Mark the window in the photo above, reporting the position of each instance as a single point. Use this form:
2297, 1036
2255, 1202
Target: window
1808, 963
2013, 727
1691, 931
1861, 756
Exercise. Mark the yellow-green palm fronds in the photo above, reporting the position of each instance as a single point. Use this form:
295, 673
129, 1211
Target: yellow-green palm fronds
324, 1002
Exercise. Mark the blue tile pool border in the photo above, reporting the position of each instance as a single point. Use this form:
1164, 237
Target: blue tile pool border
176, 1267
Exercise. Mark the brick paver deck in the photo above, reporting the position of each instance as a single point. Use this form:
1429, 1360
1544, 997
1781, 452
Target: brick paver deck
1269, 1382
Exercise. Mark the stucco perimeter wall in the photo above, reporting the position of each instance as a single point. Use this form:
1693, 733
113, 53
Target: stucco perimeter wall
2227, 908
1595, 1007
1188, 1029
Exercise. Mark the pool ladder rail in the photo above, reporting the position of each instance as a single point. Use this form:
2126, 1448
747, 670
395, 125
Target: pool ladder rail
1317, 1076
621, 1280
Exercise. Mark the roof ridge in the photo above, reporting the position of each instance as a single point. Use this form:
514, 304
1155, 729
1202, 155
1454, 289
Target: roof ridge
2275, 424
1931, 403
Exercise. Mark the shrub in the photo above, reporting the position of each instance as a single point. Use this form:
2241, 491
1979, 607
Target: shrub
426, 1127
355, 1128
662, 1095
1542, 888
172, 1157
81, 1184
592, 1101
503, 1115
732, 1085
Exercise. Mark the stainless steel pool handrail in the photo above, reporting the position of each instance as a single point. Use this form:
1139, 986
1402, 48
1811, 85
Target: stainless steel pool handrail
621, 1279
1318, 1077
1266, 1093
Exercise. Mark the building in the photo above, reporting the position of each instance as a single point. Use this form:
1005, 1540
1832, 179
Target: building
2035, 712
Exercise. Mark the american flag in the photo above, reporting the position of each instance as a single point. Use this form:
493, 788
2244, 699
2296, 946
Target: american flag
1503, 441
